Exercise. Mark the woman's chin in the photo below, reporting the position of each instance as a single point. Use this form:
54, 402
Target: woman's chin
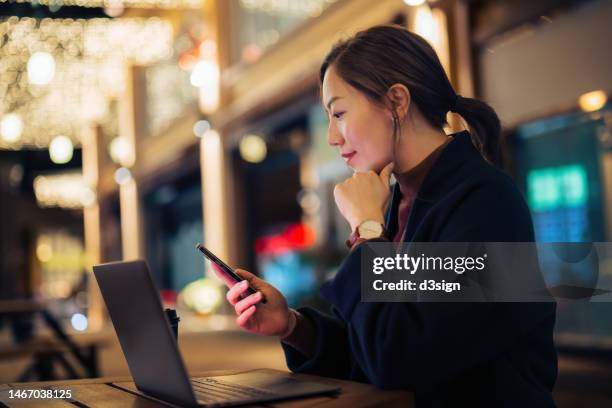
364, 168
357, 168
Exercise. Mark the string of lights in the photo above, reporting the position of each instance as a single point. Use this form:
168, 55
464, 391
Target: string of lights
311, 8
60, 73
158, 4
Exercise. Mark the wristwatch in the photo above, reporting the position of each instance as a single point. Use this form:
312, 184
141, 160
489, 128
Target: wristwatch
368, 229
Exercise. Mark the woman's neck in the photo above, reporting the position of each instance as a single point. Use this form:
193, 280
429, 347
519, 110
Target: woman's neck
417, 140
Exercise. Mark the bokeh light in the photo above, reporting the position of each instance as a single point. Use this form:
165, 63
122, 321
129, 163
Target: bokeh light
593, 101
414, 2
41, 68
201, 127
11, 127
64, 190
123, 175
253, 148
61, 150
79, 322
120, 151
44, 252
202, 296
204, 72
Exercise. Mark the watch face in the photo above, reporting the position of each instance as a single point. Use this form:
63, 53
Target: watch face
370, 229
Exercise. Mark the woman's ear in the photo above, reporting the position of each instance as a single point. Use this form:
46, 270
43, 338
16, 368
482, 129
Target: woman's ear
399, 98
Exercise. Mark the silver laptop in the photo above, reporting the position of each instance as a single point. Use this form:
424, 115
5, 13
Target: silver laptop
152, 354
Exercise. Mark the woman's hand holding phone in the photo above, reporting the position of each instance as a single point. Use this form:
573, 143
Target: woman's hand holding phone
273, 318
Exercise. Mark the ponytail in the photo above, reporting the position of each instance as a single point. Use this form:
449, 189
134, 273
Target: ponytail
484, 125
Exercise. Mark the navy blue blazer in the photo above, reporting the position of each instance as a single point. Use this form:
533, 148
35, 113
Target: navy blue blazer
449, 354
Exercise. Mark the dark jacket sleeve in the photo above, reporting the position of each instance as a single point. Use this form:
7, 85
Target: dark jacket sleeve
332, 355
418, 346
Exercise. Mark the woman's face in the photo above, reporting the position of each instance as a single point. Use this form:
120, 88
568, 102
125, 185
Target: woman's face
362, 130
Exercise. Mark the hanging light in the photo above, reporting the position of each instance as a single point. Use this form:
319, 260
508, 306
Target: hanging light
41, 68
61, 150
11, 127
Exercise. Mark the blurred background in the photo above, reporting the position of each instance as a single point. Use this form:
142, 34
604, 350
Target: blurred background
137, 128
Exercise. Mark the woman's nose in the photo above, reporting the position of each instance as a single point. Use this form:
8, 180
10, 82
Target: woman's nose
334, 137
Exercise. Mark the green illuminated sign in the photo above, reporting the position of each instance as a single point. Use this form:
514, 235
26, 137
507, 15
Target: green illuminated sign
554, 187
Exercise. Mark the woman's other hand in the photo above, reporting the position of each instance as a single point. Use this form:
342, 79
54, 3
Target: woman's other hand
364, 196
272, 318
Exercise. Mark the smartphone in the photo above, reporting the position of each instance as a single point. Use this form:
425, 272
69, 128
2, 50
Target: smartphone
225, 268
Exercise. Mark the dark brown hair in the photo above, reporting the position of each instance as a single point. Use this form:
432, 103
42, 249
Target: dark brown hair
375, 59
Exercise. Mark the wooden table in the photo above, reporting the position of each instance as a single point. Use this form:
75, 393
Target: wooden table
100, 392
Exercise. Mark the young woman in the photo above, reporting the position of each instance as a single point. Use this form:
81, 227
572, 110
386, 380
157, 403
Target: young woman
387, 96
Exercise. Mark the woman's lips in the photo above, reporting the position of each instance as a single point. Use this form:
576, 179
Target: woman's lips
348, 156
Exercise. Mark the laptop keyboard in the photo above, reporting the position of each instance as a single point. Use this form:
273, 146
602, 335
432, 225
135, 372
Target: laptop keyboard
211, 390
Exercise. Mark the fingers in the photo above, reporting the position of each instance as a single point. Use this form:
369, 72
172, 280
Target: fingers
255, 282
246, 275
234, 294
385, 173
247, 302
245, 316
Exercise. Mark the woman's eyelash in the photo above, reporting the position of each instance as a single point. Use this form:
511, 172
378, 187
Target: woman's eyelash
337, 115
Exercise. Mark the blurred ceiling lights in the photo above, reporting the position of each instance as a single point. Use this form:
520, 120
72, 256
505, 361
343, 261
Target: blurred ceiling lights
311, 8
414, 2
168, 95
61, 150
83, 64
592, 101
161, 4
66, 190
252, 148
